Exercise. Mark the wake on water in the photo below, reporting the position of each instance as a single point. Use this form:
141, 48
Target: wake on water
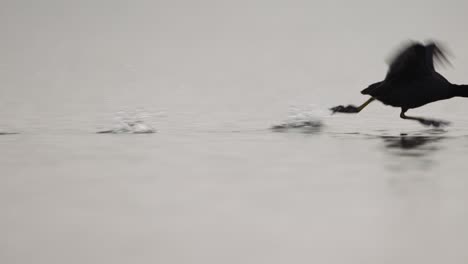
306, 118
130, 122
4, 132
7, 133
137, 127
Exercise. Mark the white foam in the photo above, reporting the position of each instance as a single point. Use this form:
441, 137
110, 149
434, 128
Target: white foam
309, 116
131, 122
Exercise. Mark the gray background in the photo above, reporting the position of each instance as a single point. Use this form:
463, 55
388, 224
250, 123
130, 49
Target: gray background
214, 185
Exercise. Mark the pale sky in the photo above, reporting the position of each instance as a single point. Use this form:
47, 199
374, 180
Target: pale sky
92, 48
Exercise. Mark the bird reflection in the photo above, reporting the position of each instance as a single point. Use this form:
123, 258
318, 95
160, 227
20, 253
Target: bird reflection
412, 152
414, 145
409, 142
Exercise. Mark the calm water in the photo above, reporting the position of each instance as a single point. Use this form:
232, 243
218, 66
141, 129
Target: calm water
345, 193
215, 184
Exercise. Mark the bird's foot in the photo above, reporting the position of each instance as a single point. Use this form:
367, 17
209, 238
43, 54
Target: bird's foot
344, 109
433, 122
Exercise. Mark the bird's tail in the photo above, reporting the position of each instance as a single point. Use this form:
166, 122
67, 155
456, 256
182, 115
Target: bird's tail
460, 90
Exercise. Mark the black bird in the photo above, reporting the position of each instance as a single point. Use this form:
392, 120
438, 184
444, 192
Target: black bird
411, 82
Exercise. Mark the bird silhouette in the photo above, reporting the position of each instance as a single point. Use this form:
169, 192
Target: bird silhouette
411, 82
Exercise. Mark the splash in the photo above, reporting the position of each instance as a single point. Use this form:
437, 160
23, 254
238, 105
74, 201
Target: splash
302, 117
131, 122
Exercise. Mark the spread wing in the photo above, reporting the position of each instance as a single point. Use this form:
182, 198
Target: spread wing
415, 59
437, 51
409, 61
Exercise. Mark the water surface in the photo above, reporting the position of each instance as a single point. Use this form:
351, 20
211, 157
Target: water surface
215, 184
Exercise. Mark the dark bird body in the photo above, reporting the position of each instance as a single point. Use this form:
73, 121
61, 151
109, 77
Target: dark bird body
412, 82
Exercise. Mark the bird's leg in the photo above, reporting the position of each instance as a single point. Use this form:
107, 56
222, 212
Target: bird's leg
424, 121
351, 108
